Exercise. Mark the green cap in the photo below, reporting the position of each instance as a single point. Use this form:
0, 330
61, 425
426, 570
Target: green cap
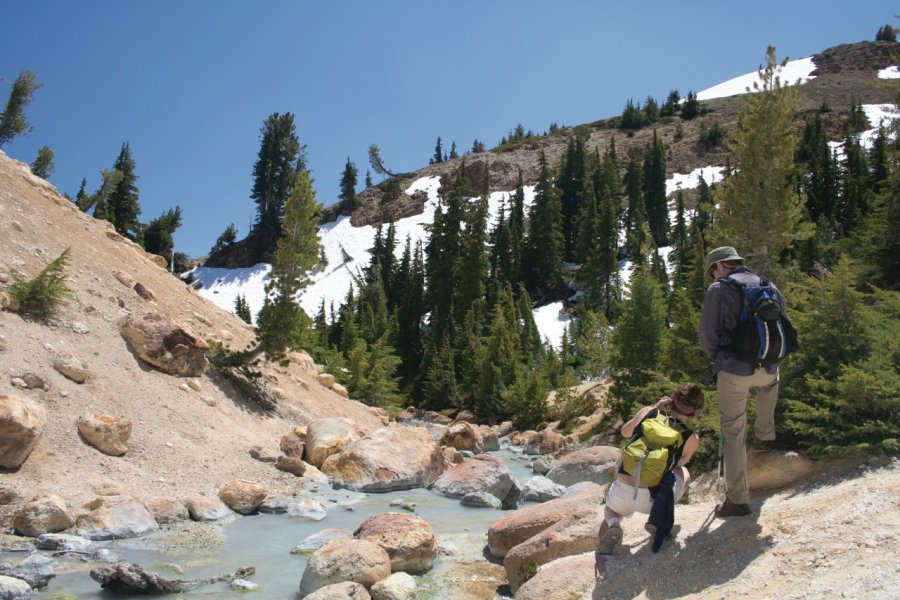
721, 254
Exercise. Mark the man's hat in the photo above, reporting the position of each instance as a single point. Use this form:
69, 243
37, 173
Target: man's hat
721, 254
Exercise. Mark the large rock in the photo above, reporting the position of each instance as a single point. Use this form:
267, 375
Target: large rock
64, 542
544, 442
573, 534
292, 445
290, 464
483, 473
396, 457
71, 367
242, 496
408, 540
771, 470
361, 561
315, 541
491, 440
328, 436
541, 489
462, 435
481, 500
115, 517
106, 433
346, 590
516, 527
203, 508
166, 344
569, 577
398, 586
21, 424
12, 588
595, 463
168, 509
46, 514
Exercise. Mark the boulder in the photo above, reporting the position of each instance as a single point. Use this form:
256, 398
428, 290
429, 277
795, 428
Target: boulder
168, 345
203, 508
775, 469
481, 500
328, 436
346, 590
168, 509
63, 542
290, 464
33, 381
397, 586
463, 436
340, 390
544, 442
541, 489
595, 463
521, 438
567, 577
13, 588
467, 416
304, 361
312, 543
408, 540
437, 418
381, 413
115, 517
483, 473
106, 433
21, 424
542, 465
71, 367
45, 514
573, 534
490, 438
307, 508
396, 457
504, 428
326, 379
516, 527
242, 496
452, 456
361, 561
291, 445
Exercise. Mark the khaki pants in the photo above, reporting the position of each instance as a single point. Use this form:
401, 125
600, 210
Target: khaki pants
732, 392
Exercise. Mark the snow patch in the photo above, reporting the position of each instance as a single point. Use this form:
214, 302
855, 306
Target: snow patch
889, 73
790, 73
551, 322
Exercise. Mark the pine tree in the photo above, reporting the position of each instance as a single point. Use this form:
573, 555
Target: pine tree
157, 236
368, 179
592, 344
43, 164
242, 309
654, 188
123, 205
680, 256
82, 195
282, 323
227, 238
453, 152
571, 183
438, 153
542, 254
274, 174
681, 357
12, 121
348, 187
691, 107
474, 263
760, 212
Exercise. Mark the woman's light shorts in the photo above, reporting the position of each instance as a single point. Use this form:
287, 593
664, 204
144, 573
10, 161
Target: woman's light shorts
620, 498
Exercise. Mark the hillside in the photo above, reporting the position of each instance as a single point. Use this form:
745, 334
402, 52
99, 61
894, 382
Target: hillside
185, 439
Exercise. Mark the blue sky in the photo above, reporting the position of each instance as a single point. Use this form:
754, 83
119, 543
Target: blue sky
189, 83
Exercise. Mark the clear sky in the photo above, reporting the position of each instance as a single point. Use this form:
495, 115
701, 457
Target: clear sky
188, 83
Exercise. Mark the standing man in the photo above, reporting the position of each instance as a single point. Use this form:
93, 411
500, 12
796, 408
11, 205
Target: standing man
735, 377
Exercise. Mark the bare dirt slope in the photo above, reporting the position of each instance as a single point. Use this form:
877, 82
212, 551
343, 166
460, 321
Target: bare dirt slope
184, 441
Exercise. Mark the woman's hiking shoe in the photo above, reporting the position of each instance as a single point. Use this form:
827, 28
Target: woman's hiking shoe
610, 540
651, 529
732, 509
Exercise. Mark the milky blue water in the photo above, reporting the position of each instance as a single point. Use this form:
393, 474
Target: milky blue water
264, 541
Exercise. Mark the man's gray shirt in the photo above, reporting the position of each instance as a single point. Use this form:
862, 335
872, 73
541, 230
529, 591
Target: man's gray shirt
721, 311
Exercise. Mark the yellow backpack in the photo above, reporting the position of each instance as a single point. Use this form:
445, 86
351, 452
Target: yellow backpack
650, 452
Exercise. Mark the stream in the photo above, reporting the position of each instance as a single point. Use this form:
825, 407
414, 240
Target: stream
265, 541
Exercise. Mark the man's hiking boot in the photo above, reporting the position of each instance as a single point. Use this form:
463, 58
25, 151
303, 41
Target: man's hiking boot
762, 446
610, 540
732, 509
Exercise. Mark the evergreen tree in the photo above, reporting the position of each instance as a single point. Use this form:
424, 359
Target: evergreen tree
654, 188
13, 122
637, 342
377, 162
759, 209
368, 179
477, 147
681, 357
242, 309
651, 110
157, 236
474, 260
857, 121
227, 238
123, 205
371, 367
691, 107
82, 196
43, 164
886, 33
542, 254
438, 375
282, 323
453, 152
592, 344
879, 162
348, 187
680, 256
852, 203
670, 108
410, 310
438, 153
274, 175
571, 183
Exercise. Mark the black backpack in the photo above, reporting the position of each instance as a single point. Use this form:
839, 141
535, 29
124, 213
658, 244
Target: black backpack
763, 336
